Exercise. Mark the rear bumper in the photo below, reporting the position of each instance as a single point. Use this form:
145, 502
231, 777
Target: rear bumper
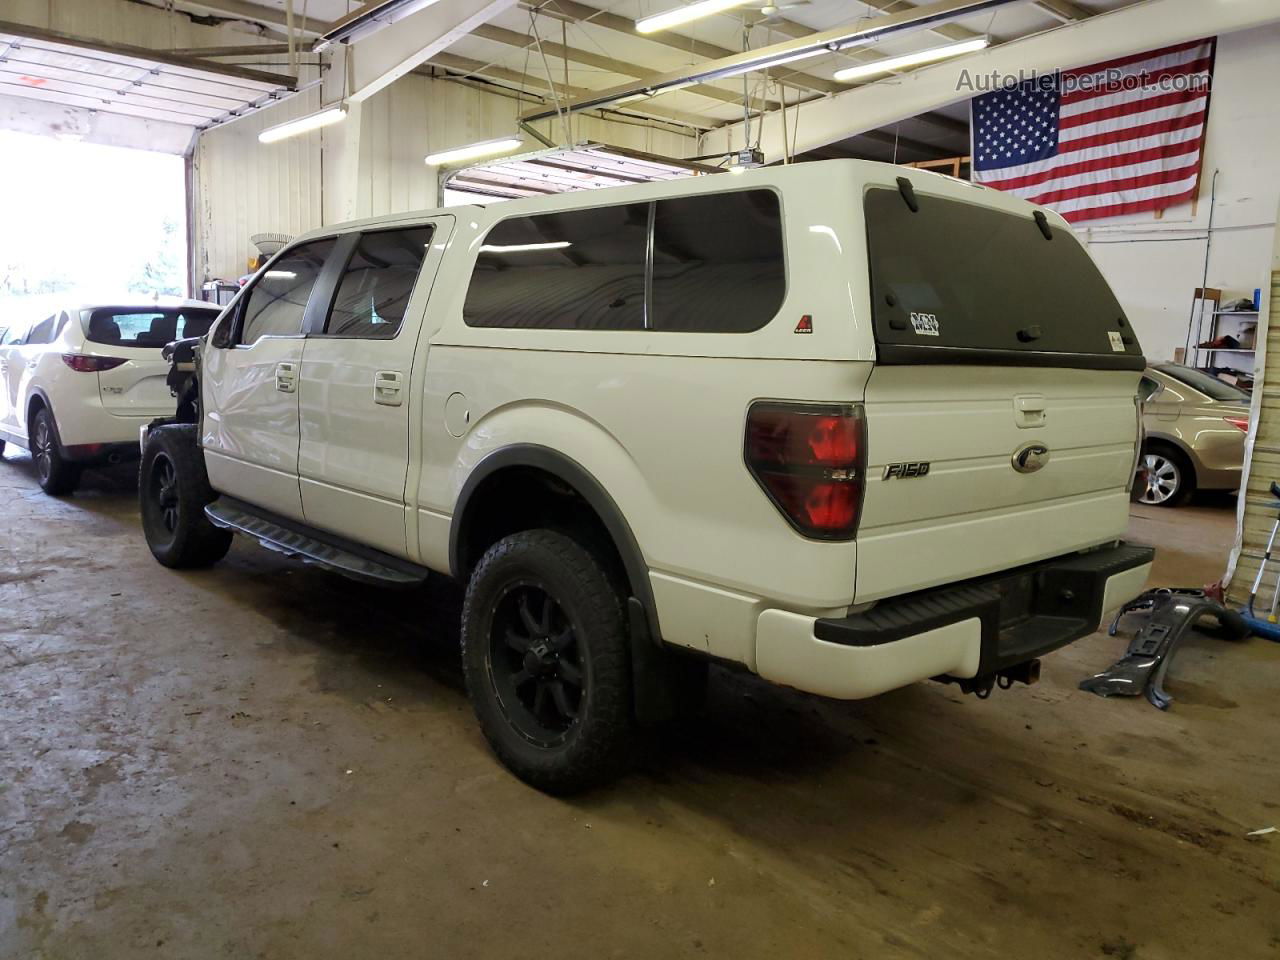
94, 453
969, 630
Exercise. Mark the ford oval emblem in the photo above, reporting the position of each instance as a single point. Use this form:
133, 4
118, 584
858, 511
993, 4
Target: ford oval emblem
1030, 457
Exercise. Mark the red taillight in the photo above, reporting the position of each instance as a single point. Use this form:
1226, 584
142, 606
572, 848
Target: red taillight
809, 460
1240, 423
83, 364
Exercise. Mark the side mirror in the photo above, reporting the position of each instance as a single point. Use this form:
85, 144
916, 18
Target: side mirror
220, 337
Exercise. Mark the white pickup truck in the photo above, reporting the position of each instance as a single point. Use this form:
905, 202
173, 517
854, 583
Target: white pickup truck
846, 425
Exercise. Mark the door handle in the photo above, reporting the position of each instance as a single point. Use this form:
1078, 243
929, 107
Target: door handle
286, 376
387, 386
1029, 411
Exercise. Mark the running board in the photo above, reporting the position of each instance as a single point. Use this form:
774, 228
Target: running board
294, 540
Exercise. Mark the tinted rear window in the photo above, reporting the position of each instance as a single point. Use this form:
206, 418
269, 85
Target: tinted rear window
1206, 383
959, 283
131, 327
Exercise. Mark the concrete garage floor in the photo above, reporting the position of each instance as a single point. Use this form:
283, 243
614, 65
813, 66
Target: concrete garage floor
264, 760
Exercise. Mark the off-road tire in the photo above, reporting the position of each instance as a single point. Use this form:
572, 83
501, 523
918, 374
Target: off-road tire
598, 742
56, 475
173, 490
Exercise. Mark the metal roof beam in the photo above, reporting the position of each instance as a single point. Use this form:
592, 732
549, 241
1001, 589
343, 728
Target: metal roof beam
580, 13
382, 57
561, 52
1064, 10
478, 68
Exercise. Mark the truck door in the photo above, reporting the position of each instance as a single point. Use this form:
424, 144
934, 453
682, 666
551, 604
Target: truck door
355, 395
250, 375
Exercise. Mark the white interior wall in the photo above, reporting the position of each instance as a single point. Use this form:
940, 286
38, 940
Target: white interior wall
370, 165
1154, 265
242, 187
118, 21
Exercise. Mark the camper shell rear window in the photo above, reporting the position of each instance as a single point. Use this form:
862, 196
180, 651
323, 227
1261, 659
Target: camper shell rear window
955, 282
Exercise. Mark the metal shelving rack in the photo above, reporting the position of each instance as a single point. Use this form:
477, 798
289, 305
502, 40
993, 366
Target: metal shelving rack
1205, 307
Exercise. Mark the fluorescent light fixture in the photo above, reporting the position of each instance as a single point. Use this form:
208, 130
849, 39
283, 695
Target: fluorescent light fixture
313, 121
524, 247
694, 11
485, 148
912, 59
281, 275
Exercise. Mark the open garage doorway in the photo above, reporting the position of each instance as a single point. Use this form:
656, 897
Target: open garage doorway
87, 222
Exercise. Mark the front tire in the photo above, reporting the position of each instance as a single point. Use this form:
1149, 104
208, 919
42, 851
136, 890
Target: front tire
173, 490
1170, 477
57, 475
545, 655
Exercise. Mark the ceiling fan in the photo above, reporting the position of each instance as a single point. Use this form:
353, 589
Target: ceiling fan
772, 12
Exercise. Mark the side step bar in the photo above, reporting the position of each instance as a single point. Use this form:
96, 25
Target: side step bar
311, 546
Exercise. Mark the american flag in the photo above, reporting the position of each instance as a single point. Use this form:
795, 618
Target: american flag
1112, 138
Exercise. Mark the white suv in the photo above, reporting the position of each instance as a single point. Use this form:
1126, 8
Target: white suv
845, 425
78, 384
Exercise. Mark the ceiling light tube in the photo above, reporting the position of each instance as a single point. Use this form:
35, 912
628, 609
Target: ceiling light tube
694, 11
889, 64
472, 151
312, 121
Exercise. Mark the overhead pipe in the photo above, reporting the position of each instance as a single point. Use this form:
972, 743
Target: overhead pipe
827, 41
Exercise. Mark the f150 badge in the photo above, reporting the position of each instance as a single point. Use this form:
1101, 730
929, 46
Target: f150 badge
905, 471
1030, 457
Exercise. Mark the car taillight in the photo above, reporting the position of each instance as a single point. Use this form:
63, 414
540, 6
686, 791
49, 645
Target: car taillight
809, 459
1240, 423
83, 364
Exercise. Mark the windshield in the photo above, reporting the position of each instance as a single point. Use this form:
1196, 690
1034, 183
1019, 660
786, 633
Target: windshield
134, 327
954, 282
1206, 383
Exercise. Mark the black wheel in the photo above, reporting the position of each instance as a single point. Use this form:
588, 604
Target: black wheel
545, 653
1170, 477
56, 474
1, 448
173, 490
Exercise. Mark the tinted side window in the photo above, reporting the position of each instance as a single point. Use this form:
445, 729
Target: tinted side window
577, 270
376, 286
42, 332
276, 303
717, 262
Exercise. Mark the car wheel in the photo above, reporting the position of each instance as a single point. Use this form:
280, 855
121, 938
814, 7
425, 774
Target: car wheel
545, 654
1169, 478
173, 490
57, 475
